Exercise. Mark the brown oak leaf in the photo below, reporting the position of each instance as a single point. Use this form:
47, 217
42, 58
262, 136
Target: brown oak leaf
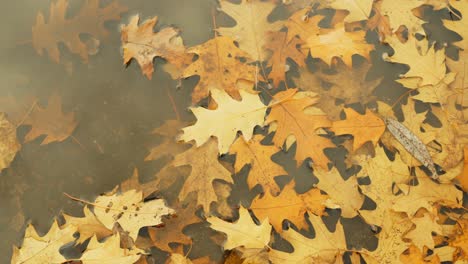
50, 121
58, 29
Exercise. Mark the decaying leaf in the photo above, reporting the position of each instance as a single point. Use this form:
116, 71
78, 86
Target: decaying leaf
130, 211
262, 169
220, 68
251, 25
142, 44
289, 205
242, 116
244, 232
168, 146
288, 111
50, 121
45, 249
60, 29
205, 169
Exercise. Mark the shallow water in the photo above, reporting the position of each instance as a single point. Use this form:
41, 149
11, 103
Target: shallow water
117, 108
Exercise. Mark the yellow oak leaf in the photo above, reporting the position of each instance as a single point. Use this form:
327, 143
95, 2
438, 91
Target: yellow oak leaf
224, 122
463, 176
383, 174
358, 9
364, 128
426, 194
414, 255
338, 43
287, 110
45, 249
139, 42
243, 232
205, 169
9, 144
459, 25
325, 247
282, 49
88, 226
130, 211
301, 25
343, 194
289, 205
109, 252
252, 24
401, 13
391, 244
421, 236
262, 169
459, 241
220, 68
435, 94
425, 62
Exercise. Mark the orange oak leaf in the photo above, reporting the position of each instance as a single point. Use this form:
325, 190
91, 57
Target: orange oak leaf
59, 29
171, 231
142, 44
287, 111
169, 146
463, 176
414, 255
219, 67
289, 205
282, 49
459, 241
205, 169
50, 121
263, 170
133, 183
367, 127
301, 25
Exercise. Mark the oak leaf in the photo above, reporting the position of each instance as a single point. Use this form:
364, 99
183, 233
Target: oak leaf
243, 232
220, 68
130, 211
358, 9
391, 244
364, 128
224, 122
282, 49
109, 252
88, 226
402, 13
349, 85
50, 121
459, 25
338, 43
262, 169
142, 44
171, 229
463, 176
9, 144
414, 255
379, 22
435, 94
343, 194
325, 247
425, 62
59, 29
301, 25
421, 236
133, 183
289, 205
287, 110
168, 146
252, 25
459, 241
45, 249
383, 173
205, 169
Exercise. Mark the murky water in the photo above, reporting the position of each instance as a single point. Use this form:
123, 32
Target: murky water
117, 108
